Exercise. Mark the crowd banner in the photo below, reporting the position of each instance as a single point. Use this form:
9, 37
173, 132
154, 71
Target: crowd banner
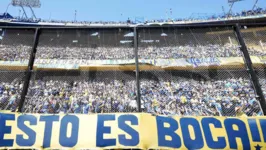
58, 66
171, 62
181, 62
137, 130
196, 62
147, 61
14, 63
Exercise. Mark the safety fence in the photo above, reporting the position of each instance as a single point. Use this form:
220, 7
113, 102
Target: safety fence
166, 70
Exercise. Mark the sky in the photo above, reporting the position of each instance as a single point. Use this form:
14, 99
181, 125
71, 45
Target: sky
121, 10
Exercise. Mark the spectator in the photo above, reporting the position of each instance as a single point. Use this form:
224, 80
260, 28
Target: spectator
181, 96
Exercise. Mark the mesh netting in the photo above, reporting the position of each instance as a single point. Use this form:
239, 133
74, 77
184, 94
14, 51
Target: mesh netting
198, 93
207, 78
168, 43
255, 39
81, 92
93, 78
15, 49
183, 71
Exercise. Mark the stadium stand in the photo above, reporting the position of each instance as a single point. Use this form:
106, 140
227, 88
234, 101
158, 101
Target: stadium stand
103, 82
140, 74
81, 53
14, 52
181, 96
22, 53
194, 96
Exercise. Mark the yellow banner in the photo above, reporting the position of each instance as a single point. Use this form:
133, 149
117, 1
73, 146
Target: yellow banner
142, 131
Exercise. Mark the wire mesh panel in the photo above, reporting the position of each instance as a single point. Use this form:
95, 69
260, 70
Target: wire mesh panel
198, 93
194, 72
81, 92
11, 85
83, 45
255, 39
173, 43
15, 49
16, 45
83, 71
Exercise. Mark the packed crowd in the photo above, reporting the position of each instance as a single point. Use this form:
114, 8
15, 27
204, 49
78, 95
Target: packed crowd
207, 51
10, 93
14, 53
85, 53
102, 53
244, 13
22, 53
263, 85
181, 96
88, 22
38, 20
257, 11
200, 98
189, 51
81, 97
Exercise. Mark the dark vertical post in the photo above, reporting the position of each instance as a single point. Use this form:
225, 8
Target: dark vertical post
29, 70
137, 67
250, 69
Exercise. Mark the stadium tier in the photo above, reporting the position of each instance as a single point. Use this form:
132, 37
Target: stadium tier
164, 92
160, 84
195, 83
183, 71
